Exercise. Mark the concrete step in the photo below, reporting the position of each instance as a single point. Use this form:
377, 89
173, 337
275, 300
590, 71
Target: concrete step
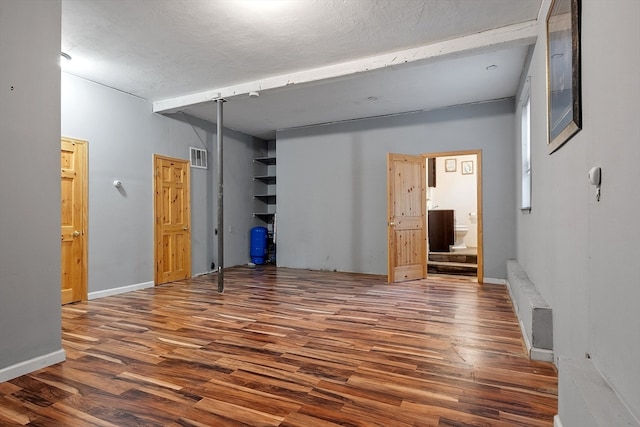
459, 268
453, 257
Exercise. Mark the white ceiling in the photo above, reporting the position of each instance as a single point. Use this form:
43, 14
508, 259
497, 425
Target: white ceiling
312, 61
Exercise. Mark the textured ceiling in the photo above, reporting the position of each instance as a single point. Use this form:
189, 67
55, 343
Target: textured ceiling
168, 49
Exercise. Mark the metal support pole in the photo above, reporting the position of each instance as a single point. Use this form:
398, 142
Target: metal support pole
220, 202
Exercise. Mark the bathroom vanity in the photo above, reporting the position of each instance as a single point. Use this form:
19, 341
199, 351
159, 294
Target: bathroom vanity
441, 231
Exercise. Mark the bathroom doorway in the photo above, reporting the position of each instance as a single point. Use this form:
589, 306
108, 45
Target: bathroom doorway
454, 213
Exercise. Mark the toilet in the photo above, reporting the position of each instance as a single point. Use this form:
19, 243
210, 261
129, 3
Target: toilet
461, 231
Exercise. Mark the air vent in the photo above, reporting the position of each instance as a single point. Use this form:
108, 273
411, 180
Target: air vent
198, 158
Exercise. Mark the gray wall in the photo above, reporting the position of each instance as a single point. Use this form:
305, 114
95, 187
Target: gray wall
123, 135
332, 184
30, 176
582, 255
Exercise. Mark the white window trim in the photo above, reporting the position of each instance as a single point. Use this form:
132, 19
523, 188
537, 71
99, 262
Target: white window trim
525, 148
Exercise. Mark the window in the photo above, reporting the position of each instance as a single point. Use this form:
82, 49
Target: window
525, 140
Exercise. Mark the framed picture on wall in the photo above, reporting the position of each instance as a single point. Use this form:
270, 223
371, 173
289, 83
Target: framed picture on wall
467, 167
450, 165
564, 106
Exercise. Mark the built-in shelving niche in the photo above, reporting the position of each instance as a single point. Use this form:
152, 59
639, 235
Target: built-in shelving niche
264, 192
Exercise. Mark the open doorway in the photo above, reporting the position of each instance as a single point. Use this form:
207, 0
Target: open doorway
454, 213
407, 212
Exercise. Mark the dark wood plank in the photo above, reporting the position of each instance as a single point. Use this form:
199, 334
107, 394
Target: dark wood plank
284, 347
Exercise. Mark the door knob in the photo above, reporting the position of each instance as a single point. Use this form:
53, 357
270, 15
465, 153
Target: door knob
392, 223
76, 233
185, 228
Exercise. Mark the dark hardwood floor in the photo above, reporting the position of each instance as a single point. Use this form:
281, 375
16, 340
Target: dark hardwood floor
285, 347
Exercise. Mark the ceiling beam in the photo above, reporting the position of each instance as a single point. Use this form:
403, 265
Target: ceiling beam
501, 38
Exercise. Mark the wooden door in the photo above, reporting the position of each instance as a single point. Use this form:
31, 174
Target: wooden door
73, 228
406, 218
172, 220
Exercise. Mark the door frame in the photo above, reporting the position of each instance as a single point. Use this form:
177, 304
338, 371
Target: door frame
478, 153
84, 164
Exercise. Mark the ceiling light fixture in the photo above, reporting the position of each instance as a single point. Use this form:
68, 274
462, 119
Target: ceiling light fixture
254, 94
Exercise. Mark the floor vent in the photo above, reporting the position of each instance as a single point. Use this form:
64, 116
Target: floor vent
198, 158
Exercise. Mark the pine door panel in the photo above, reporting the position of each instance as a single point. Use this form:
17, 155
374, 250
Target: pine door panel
406, 207
73, 253
172, 220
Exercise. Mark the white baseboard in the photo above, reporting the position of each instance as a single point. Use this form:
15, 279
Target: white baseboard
535, 353
541, 354
120, 290
556, 421
514, 303
28, 366
525, 337
492, 281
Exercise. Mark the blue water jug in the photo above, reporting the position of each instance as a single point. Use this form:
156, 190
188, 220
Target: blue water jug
258, 245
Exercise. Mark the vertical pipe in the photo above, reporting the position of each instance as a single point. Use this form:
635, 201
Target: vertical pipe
220, 202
